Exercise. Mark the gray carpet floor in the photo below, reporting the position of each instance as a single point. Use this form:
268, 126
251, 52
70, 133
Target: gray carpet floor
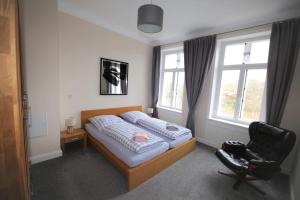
87, 175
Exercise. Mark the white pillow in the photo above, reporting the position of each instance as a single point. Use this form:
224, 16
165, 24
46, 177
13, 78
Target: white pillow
133, 116
102, 121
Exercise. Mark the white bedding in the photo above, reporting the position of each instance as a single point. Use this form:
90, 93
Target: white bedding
124, 132
160, 126
129, 157
172, 143
166, 129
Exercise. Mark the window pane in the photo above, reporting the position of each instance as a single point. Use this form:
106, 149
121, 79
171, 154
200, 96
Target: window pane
179, 90
228, 93
234, 54
171, 61
181, 62
167, 89
255, 84
259, 52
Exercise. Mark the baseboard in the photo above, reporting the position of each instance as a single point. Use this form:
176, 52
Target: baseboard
292, 191
45, 156
206, 142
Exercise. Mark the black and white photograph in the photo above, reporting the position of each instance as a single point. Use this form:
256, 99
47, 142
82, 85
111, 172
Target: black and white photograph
113, 77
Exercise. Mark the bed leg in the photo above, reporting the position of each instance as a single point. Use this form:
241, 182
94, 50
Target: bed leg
131, 183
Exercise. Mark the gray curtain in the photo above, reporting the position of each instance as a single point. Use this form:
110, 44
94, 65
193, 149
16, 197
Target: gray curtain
155, 79
284, 45
198, 55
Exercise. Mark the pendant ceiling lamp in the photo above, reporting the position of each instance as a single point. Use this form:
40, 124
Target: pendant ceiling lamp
150, 18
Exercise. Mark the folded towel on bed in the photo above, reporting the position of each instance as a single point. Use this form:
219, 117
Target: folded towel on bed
140, 137
161, 127
124, 133
171, 127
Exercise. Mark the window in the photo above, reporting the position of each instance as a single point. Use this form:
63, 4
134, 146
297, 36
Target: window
172, 79
239, 84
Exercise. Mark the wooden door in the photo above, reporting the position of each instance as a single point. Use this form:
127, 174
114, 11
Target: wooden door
13, 161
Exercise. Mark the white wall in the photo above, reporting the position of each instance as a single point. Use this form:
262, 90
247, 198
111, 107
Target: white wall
40, 35
295, 177
81, 44
214, 133
61, 58
291, 120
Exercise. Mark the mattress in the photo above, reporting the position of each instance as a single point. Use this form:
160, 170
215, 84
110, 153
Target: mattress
172, 143
129, 157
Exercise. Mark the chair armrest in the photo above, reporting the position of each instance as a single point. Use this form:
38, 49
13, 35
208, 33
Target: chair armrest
234, 147
263, 169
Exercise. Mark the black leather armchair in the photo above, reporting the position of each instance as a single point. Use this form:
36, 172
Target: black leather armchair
261, 158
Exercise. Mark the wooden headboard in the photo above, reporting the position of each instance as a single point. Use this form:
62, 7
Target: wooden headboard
86, 114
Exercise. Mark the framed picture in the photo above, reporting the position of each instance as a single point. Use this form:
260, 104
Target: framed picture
113, 77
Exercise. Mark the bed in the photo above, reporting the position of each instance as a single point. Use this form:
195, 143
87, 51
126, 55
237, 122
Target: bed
130, 158
144, 170
172, 143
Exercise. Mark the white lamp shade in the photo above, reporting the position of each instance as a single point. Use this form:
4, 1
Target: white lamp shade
150, 110
70, 122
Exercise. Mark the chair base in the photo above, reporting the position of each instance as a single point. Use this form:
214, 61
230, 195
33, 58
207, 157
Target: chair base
242, 178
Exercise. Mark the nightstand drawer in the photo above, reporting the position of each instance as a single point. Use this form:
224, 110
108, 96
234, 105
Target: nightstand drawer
72, 139
77, 134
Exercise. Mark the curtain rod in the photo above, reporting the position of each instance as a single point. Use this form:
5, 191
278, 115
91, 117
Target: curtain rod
222, 33
232, 31
241, 29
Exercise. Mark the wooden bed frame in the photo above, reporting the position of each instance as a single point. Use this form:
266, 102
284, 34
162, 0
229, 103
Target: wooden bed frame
139, 174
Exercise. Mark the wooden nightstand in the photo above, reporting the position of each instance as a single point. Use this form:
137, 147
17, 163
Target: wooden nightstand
78, 134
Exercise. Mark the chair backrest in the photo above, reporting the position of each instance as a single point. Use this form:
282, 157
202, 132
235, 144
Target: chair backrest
269, 142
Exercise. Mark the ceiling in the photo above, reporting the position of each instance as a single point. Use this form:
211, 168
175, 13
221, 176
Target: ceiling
183, 19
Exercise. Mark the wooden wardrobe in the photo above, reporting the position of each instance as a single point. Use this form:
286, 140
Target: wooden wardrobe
14, 172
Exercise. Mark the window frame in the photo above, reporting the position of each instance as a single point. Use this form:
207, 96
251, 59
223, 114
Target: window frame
243, 68
164, 52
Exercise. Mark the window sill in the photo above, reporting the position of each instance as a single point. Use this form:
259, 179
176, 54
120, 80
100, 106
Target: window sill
169, 109
229, 122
